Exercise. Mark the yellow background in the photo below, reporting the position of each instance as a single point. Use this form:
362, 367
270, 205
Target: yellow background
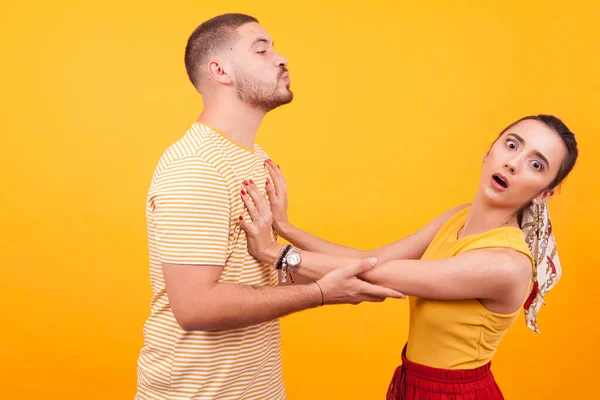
395, 105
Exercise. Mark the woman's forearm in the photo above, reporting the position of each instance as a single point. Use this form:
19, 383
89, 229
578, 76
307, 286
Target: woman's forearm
309, 242
314, 265
454, 278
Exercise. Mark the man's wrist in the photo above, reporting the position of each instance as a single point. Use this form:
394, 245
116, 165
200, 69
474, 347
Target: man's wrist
321, 297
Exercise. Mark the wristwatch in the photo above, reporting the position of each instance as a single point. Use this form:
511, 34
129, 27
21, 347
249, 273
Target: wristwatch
293, 259
290, 261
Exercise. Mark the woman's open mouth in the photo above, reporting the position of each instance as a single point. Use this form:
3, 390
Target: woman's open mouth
499, 182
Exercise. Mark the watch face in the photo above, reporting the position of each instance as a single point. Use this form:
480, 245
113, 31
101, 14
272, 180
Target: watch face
293, 259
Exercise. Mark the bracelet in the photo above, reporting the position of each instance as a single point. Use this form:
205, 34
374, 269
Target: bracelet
321, 290
279, 259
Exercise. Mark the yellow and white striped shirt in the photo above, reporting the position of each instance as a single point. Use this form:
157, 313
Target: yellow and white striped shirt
192, 214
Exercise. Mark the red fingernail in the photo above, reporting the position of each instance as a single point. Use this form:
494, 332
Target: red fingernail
243, 192
241, 218
245, 183
267, 184
251, 181
278, 166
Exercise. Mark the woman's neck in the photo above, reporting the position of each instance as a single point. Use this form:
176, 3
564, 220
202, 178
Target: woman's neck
484, 217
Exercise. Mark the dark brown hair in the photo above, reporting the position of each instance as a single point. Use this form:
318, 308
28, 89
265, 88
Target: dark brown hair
211, 36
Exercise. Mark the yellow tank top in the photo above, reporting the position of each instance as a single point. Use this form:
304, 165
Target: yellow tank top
459, 334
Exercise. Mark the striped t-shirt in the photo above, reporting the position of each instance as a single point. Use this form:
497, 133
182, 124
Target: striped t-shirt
192, 214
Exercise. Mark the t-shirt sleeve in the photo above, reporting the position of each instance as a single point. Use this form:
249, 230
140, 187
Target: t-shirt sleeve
191, 213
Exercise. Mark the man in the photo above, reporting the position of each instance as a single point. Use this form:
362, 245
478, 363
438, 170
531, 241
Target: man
213, 332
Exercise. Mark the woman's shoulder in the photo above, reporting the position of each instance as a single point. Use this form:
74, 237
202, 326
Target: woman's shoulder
452, 214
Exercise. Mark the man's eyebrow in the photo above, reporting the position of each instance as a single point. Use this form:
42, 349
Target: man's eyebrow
262, 39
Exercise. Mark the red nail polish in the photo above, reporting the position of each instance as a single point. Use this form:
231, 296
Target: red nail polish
267, 184
245, 183
243, 192
278, 166
252, 182
241, 218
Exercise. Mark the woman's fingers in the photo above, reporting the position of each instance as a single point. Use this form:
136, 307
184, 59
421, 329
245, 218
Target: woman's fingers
246, 225
248, 202
270, 188
278, 179
260, 202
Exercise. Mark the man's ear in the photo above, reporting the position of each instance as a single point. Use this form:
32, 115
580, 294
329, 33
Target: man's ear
218, 71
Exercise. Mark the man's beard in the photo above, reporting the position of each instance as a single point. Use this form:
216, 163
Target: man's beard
262, 95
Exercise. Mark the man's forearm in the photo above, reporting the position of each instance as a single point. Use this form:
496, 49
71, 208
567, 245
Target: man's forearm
230, 306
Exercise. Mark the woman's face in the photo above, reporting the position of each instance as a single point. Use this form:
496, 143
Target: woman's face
521, 164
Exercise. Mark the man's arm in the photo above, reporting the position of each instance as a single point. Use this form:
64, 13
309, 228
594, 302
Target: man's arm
200, 302
192, 222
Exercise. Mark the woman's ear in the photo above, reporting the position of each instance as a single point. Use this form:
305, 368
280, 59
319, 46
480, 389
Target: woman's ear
543, 197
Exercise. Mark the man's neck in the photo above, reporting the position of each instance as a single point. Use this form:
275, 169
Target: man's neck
484, 217
237, 121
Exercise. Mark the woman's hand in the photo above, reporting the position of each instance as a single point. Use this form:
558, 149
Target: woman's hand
278, 198
261, 242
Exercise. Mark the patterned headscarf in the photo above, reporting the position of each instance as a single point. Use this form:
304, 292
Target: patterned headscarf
537, 227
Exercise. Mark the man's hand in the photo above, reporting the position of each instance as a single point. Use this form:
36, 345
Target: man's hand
341, 286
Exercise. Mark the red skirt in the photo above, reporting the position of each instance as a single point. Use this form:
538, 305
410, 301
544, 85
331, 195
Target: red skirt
414, 381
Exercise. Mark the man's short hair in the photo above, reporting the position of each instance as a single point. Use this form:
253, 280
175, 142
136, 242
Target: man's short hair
209, 38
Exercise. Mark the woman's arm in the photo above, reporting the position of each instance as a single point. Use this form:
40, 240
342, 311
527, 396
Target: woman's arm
491, 273
410, 247
484, 273
307, 241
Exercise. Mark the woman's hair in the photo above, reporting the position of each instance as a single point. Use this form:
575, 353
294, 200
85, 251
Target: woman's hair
569, 141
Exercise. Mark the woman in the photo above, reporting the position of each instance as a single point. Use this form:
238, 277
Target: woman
468, 272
